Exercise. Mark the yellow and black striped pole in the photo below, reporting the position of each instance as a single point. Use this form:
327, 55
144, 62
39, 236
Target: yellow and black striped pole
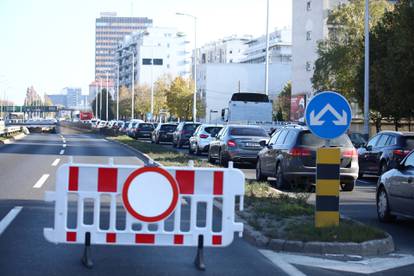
327, 187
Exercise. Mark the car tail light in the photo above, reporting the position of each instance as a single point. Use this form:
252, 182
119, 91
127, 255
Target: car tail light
299, 152
401, 152
203, 136
349, 153
231, 143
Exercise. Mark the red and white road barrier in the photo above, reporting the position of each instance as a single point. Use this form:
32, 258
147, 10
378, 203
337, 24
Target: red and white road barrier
152, 202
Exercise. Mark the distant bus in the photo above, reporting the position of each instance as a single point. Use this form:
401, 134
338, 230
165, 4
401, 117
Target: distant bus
248, 108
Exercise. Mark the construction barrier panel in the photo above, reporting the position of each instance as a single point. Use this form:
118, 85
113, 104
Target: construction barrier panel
150, 206
327, 187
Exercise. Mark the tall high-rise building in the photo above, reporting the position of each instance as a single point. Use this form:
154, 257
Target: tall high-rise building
109, 30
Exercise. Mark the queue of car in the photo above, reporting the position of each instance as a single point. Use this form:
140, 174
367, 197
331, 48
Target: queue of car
288, 154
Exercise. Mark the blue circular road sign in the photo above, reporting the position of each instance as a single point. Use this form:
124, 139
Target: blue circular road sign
328, 115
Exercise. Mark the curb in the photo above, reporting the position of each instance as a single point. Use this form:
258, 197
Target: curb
367, 248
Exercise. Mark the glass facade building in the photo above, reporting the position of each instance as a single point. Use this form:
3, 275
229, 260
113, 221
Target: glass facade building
109, 30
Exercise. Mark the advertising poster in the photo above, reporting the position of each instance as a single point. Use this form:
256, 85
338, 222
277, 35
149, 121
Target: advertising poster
297, 108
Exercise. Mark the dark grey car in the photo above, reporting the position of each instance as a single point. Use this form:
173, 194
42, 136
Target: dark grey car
395, 191
237, 143
183, 132
290, 157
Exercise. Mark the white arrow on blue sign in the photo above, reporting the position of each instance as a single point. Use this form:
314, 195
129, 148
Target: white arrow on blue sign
328, 115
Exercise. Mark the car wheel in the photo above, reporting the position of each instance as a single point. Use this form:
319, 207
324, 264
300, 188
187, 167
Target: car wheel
259, 175
190, 150
157, 140
174, 144
197, 150
210, 158
383, 206
348, 187
383, 168
360, 174
179, 144
280, 181
222, 160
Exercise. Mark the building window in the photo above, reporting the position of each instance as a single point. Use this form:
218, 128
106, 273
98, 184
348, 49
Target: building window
308, 66
146, 61
308, 5
231, 52
158, 61
168, 66
308, 35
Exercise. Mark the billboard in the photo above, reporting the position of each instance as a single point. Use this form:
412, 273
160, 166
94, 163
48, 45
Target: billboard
297, 108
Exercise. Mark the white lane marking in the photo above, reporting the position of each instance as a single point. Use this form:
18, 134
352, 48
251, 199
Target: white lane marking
279, 262
41, 181
64, 145
62, 152
63, 140
5, 222
54, 164
365, 266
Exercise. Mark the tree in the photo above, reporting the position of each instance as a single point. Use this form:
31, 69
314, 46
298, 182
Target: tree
124, 102
180, 98
340, 54
282, 103
391, 66
102, 108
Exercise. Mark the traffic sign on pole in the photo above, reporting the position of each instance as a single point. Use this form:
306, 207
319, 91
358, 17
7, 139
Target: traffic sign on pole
328, 115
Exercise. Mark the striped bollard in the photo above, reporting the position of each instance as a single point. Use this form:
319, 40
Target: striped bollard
327, 187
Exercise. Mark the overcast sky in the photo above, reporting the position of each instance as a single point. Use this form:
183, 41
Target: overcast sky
50, 44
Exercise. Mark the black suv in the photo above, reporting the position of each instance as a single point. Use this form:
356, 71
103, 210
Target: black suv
290, 156
384, 151
183, 132
143, 130
163, 133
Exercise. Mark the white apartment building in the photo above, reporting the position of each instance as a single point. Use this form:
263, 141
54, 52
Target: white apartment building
227, 50
280, 48
157, 52
309, 25
216, 83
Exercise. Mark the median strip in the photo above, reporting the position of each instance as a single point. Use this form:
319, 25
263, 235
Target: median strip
5, 222
62, 152
41, 181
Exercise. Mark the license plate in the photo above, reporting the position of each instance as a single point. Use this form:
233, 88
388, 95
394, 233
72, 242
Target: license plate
253, 145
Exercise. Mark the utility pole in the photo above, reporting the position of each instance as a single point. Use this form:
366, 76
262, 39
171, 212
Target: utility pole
117, 94
100, 99
366, 72
267, 52
107, 96
195, 64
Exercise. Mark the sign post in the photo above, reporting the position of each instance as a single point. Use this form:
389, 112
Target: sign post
328, 116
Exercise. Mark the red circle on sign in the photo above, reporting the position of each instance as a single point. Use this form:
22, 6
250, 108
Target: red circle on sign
164, 214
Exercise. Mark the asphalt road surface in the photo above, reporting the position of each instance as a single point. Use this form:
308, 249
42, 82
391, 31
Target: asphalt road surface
27, 170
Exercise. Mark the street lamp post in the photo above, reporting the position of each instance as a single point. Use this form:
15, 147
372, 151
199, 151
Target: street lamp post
107, 95
100, 99
195, 64
133, 83
267, 52
117, 94
366, 72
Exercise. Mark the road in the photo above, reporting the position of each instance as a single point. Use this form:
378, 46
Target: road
27, 170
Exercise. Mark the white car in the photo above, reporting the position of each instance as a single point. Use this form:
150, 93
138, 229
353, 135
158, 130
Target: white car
202, 137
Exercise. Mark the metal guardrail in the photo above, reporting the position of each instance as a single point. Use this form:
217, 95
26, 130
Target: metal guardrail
9, 130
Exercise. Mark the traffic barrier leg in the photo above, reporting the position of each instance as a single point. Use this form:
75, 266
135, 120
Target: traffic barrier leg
87, 255
199, 259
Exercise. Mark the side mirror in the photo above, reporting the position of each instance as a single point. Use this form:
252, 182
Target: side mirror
368, 148
263, 143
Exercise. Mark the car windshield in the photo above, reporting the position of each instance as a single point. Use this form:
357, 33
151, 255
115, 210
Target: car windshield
168, 128
146, 126
409, 142
212, 130
310, 140
190, 127
248, 131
